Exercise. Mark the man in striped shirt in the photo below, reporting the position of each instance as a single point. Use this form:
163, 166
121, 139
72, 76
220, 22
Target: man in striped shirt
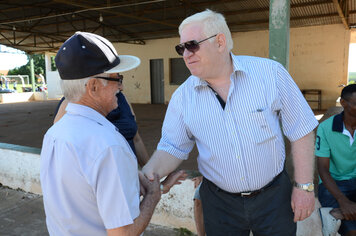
231, 108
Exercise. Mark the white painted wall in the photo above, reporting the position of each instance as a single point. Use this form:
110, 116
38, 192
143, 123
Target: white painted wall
22, 97
53, 78
20, 169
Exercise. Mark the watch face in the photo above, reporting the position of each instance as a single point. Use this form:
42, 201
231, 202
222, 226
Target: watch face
311, 187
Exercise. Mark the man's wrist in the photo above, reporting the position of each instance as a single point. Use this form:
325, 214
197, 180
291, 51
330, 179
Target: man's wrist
309, 187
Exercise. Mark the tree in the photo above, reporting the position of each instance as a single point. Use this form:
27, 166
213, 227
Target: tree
38, 63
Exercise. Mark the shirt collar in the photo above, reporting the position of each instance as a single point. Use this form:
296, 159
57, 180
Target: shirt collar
237, 66
89, 113
338, 123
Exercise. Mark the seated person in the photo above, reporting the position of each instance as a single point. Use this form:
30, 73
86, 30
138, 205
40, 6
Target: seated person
335, 149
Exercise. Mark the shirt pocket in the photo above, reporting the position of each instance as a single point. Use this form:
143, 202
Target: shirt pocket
261, 128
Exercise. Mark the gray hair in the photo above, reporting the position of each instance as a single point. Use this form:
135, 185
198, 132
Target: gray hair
213, 23
73, 90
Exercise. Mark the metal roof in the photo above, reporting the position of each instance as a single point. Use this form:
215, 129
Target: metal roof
38, 26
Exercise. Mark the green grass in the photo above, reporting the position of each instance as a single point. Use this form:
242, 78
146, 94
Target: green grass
183, 232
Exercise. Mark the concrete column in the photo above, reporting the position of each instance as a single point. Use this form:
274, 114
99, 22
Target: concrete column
48, 62
279, 18
32, 70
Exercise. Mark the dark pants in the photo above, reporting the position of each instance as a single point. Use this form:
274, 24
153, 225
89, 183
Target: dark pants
326, 199
265, 214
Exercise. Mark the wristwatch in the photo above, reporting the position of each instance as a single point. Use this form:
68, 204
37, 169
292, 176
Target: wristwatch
309, 187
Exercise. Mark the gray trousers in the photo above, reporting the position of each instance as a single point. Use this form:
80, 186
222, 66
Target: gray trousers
267, 213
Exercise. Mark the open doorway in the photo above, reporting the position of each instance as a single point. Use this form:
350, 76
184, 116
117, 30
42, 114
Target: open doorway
157, 81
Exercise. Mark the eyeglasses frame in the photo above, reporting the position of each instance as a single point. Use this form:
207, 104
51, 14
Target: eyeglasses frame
183, 45
118, 80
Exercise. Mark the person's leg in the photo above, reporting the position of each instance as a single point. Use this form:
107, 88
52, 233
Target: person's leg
351, 233
198, 217
348, 188
198, 213
270, 211
224, 214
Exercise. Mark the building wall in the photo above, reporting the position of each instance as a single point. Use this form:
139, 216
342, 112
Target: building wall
318, 57
353, 35
318, 60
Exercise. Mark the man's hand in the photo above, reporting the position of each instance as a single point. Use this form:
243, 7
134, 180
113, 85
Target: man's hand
197, 181
302, 204
150, 188
348, 209
172, 179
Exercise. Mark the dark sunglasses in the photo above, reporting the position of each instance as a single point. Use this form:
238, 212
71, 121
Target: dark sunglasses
191, 46
119, 78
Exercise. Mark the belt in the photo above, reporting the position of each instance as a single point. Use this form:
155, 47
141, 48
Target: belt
247, 194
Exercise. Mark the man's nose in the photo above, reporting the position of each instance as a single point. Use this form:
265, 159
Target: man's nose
187, 53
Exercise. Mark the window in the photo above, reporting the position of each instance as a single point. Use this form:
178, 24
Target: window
179, 72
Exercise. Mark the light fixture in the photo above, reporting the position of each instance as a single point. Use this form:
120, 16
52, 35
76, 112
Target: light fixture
101, 18
13, 28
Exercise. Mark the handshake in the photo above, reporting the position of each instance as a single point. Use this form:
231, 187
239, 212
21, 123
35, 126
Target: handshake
154, 188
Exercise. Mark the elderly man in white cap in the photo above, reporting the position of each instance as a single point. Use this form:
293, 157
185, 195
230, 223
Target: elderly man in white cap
89, 174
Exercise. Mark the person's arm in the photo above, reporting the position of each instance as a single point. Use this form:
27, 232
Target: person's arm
303, 160
161, 163
147, 207
348, 207
172, 179
141, 152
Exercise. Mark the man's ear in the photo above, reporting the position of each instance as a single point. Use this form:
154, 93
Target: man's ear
343, 103
221, 41
92, 86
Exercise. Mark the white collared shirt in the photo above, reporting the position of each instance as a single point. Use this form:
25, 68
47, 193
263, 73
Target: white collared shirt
241, 147
347, 133
89, 175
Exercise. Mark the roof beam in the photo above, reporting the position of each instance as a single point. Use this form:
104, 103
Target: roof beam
118, 13
266, 9
341, 7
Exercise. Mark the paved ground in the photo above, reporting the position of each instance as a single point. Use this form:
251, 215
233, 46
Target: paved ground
25, 124
22, 214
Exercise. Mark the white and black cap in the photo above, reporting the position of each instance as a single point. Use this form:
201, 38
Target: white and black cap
87, 54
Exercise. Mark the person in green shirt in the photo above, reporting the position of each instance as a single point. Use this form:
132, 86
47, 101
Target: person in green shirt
335, 149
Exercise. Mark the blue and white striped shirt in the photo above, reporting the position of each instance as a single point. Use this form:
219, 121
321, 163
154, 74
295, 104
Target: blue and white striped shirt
241, 147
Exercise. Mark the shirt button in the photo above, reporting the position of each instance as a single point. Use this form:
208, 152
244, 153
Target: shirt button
263, 126
242, 178
238, 157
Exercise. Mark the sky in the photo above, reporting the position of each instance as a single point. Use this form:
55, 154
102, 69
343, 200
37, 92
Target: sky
12, 58
352, 57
